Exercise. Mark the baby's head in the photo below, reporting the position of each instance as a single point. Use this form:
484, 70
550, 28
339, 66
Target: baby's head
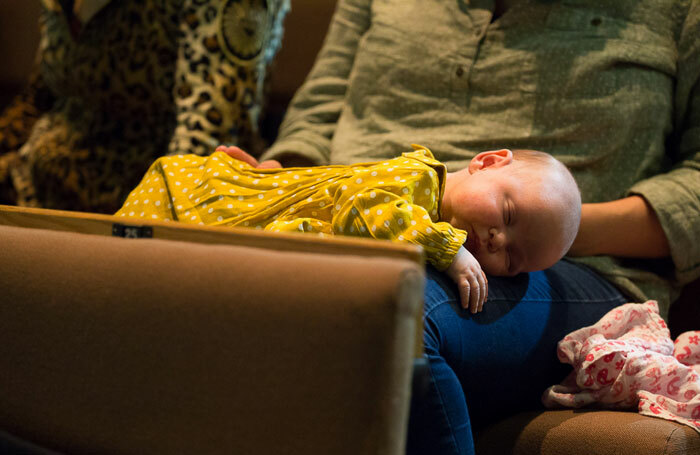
521, 209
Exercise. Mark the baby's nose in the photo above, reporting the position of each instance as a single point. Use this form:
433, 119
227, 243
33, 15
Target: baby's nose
496, 240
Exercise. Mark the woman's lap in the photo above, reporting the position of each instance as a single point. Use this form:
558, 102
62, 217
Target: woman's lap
495, 363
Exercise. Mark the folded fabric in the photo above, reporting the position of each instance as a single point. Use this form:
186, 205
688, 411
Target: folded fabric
628, 358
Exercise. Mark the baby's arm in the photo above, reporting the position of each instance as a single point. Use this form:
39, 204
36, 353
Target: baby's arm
381, 214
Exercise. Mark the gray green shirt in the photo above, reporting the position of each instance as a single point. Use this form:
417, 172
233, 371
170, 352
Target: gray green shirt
608, 87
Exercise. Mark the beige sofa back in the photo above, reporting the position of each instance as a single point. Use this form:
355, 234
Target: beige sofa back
113, 345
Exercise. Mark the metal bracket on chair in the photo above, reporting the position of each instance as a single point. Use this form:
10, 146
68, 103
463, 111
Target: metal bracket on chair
132, 232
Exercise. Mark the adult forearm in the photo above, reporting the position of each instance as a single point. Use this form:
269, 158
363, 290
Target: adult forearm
625, 227
311, 118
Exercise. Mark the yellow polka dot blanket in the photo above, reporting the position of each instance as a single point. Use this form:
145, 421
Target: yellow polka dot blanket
398, 199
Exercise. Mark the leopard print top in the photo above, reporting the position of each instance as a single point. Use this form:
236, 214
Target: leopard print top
138, 80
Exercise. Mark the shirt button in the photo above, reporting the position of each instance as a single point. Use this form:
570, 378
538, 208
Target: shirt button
460, 71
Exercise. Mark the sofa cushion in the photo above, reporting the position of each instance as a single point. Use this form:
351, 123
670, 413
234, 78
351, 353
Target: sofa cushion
587, 432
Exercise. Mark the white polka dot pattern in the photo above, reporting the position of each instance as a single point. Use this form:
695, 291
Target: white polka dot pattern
395, 199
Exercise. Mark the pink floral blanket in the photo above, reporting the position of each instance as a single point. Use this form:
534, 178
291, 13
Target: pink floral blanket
628, 358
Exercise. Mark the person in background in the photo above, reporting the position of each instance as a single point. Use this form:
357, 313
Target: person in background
611, 89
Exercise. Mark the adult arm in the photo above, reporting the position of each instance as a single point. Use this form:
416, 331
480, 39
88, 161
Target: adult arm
625, 227
306, 132
661, 215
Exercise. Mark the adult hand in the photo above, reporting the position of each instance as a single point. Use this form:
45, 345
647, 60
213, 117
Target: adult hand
241, 155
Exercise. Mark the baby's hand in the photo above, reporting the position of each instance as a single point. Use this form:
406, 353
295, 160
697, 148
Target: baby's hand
470, 279
241, 155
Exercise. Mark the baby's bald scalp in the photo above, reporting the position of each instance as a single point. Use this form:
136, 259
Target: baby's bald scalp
559, 184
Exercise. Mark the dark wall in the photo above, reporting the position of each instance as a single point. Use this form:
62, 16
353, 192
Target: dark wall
19, 37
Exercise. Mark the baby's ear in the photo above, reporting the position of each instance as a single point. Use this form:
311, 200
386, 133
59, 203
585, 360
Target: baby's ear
490, 159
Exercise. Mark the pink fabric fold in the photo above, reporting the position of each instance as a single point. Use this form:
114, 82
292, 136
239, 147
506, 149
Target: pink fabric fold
628, 359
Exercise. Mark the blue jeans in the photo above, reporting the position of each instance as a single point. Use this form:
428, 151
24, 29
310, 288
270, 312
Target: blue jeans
484, 367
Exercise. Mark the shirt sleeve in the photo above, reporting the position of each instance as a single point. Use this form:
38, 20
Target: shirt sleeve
675, 196
310, 121
381, 214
